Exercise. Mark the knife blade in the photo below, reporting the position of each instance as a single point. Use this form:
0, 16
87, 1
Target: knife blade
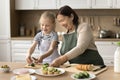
100, 67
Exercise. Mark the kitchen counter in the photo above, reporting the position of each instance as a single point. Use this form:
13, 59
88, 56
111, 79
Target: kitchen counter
107, 39
96, 39
22, 38
106, 75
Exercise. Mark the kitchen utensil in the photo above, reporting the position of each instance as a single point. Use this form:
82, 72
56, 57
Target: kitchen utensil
105, 33
91, 21
99, 68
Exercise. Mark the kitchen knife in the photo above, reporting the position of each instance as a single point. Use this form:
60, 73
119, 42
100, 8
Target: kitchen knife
99, 68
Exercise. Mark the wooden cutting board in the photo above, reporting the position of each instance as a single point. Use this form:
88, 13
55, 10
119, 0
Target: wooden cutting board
100, 71
72, 68
37, 66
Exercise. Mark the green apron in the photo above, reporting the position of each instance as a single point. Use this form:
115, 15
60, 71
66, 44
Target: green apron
88, 57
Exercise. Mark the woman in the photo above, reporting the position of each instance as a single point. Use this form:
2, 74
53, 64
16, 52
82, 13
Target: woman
78, 43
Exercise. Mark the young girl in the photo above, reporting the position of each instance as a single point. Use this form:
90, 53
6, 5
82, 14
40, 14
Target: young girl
46, 39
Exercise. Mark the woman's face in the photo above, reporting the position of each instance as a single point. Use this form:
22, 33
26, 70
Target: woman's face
46, 25
65, 21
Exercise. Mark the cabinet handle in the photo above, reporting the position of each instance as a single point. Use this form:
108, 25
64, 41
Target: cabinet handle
111, 3
112, 62
35, 4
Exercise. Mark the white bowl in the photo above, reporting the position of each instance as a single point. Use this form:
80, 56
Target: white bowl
5, 69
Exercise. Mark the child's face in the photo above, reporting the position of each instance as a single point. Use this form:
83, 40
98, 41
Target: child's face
46, 25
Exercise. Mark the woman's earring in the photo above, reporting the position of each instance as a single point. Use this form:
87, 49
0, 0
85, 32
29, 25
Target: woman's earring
72, 16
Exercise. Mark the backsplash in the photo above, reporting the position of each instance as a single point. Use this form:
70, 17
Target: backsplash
99, 19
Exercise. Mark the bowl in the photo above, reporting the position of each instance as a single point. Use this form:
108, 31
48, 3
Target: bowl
6, 70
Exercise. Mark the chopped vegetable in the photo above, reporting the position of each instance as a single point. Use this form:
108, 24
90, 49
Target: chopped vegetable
82, 75
46, 69
118, 43
32, 64
5, 66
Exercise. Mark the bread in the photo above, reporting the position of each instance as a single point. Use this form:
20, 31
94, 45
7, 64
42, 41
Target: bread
23, 77
85, 67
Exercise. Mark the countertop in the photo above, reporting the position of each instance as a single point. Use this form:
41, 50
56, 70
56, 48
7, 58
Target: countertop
96, 39
106, 75
22, 38
107, 39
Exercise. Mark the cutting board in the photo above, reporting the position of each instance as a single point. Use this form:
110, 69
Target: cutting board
37, 66
72, 68
100, 71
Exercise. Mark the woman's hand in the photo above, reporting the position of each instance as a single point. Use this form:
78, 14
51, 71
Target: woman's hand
59, 61
29, 59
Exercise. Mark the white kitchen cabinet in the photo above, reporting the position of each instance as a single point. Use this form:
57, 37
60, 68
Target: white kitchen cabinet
34, 4
45, 4
20, 48
116, 4
5, 53
107, 50
75, 4
4, 19
25, 4
102, 4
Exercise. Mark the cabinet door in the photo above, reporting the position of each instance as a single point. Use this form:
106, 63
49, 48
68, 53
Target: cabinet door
102, 4
4, 19
75, 4
25, 4
45, 4
109, 61
5, 54
106, 50
20, 48
116, 3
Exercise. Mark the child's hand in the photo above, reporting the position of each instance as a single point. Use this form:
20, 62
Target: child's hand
40, 59
29, 60
35, 60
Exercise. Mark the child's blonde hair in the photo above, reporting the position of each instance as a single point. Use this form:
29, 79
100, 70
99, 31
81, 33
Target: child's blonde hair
48, 14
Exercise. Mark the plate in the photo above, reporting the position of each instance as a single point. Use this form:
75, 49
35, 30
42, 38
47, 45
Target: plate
32, 77
23, 71
92, 76
38, 71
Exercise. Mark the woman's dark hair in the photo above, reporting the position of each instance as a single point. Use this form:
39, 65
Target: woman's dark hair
67, 11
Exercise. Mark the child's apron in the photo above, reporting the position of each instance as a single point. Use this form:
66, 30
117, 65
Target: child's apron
44, 46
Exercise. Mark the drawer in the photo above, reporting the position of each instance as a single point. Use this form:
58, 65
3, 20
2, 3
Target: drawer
109, 61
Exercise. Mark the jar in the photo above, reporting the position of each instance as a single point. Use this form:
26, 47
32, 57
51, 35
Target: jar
22, 30
117, 35
117, 60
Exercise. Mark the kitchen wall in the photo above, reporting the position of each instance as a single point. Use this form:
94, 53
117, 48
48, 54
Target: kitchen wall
102, 18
